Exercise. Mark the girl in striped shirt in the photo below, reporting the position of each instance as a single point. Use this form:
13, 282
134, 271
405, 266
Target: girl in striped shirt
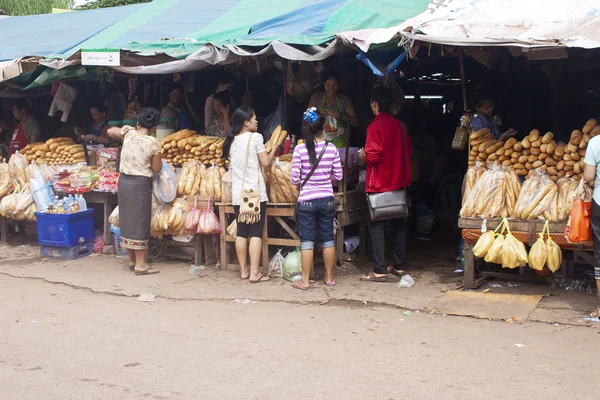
316, 206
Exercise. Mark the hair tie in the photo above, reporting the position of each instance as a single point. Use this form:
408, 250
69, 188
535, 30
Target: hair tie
311, 115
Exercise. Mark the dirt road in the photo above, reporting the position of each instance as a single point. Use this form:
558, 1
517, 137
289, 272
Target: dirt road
59, 342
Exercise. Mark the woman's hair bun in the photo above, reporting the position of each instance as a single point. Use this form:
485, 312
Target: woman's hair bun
148, 117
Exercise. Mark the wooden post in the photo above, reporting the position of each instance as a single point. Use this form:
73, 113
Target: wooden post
463, 80
3, 230
469, 276
285, 93
223, 218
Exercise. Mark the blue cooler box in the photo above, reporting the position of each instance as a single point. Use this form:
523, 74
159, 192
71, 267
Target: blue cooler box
65, 230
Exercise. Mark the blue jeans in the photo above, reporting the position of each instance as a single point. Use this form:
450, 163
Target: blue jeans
313, 213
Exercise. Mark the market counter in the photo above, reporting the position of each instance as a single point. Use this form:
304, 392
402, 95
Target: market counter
109, 201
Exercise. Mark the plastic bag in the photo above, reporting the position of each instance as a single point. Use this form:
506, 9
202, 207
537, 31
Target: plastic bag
226, 182
18, 163
192, 219
273, 120
276, 265
160, 221
471, 177
514, 254
579, 228
177, 216
494, 254
407, 281
292, 266
486, 241
165, 184
232, 229
331, 130
114, 217
487, 199
208, 223
538, 253
554, 260
6, 181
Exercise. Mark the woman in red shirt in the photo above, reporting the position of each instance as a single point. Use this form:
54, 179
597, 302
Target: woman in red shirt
387, 155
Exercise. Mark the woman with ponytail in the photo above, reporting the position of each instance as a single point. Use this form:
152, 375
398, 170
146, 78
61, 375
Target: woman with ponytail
314, 164
248, 155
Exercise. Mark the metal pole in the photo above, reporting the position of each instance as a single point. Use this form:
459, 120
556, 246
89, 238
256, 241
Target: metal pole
285, 93
461, 59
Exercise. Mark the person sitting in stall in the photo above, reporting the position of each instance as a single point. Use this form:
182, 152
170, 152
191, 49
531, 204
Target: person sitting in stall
335, 106
184, 114
99, 130
27, 130
485, 118
224, 84
140, 160
591, 173
221, 123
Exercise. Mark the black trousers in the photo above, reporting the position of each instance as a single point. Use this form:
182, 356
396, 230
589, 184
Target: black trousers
595, 222
399, 233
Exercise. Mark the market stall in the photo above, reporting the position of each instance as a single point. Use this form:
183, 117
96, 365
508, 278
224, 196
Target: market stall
534, 185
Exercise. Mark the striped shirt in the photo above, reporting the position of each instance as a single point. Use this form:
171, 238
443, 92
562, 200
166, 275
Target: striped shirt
319, 185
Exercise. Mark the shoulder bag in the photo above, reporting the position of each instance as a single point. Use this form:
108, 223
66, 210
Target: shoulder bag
310, 174
250, 202
389, 205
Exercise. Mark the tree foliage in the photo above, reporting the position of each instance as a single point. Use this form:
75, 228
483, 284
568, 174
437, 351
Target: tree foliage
32, 7
92, 4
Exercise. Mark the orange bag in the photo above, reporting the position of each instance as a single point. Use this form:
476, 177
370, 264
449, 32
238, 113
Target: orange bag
579, 228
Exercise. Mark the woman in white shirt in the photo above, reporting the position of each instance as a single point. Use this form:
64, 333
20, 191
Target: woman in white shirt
247, 171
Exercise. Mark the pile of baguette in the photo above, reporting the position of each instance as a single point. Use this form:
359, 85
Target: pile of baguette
535, 152
186, 145
277, 179
55, 151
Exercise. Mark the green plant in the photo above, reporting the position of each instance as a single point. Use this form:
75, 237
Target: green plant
31, 7
92, 4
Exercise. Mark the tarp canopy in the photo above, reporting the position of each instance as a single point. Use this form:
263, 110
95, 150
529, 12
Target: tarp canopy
530, 23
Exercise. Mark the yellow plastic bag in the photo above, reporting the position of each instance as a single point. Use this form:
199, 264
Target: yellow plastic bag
514, 254
494, 254
538, 252
554, 260
485, 241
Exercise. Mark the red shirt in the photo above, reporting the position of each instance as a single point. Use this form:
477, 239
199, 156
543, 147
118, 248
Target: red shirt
387, 154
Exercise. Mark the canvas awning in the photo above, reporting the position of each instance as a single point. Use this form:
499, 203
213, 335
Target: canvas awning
531, 23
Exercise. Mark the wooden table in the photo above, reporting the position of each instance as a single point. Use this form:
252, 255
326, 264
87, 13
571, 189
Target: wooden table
280, 212
109, 201
533, 228
3, 230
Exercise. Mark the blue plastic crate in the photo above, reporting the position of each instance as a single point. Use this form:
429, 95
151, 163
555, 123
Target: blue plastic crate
67, 253
65, 230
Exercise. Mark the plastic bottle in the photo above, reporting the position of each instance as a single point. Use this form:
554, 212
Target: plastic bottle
286, 145
82, 203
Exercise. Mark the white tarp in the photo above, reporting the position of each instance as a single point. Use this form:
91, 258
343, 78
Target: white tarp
522, 23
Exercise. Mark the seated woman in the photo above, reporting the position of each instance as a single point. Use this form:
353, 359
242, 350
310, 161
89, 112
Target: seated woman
184, 113
331, 104
224, 84
485, 118
221, 123
99, 131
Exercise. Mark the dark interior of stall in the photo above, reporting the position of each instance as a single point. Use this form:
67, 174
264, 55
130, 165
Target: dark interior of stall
554, 91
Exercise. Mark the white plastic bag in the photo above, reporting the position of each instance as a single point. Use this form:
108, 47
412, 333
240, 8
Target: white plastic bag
164, 185
407, 281
276, 265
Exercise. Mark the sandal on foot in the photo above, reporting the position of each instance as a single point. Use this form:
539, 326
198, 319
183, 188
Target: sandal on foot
147, 271
371, 277
394, 271
596, 313
330, 284
298, 286
261, 278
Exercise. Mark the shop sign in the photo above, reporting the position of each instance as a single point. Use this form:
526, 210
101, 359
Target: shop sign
101, 57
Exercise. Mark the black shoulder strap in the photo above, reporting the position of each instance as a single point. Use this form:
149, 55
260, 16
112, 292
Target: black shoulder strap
312, 171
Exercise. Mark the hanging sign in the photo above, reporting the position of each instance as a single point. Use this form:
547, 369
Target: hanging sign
101, 57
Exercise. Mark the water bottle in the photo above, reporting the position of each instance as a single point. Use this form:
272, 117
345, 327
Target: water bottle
82, 203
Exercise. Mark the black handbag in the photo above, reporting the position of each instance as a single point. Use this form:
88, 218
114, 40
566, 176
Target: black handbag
310, 174
388, 205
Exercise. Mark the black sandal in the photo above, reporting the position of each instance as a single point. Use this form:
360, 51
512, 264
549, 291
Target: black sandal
371, 277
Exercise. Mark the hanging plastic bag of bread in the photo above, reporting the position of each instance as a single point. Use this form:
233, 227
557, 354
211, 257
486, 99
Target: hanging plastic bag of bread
227, 188
208, 224
579, 228
18, 163
538, 252
514, 254
192, 218
485, 241
554, 260
6, 181
177, 216
487, 198
494, 254
114, 217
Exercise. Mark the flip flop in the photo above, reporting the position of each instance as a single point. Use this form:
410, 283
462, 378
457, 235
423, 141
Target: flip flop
262, 278
370, 277
330, 284
297, 286
147, 271
595, 313
394, 271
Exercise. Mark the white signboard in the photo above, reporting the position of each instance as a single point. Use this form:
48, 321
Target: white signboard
101, 57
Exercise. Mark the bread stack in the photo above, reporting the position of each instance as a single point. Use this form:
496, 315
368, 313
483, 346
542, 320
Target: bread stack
186, 145
55, 151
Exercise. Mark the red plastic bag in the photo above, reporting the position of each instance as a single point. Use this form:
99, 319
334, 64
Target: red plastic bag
208, 223
192, 219
579, 228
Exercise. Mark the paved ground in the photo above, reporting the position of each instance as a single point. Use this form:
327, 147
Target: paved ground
74, 330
